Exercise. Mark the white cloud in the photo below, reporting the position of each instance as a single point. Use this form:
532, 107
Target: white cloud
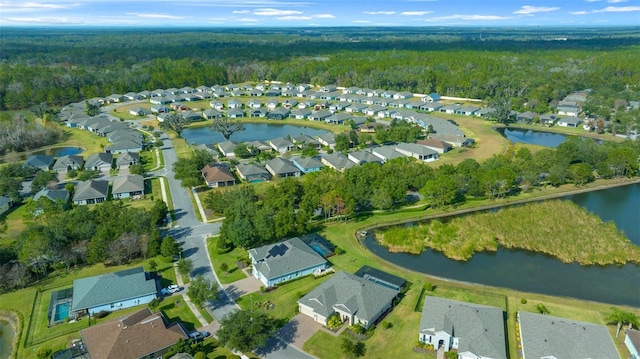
323, 16
43, 20
470, 17
582, 12
415, 13
619, 9
361, 22
30, 5
616, 1
527, 9
593, 0
240, 11
248, 19
276, 12
156, 16
305, 17
379, 12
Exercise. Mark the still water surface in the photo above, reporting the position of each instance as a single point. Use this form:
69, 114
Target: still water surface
252, 132
6, 339
540, 138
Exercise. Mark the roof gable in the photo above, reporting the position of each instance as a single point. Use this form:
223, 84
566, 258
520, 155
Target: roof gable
125, 184
91, 189
111, 287
279, 259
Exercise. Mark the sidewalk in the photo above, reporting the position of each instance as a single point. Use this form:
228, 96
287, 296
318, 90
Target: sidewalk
199, 204
194, 309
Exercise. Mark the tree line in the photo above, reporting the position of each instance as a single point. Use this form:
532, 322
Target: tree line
287, 208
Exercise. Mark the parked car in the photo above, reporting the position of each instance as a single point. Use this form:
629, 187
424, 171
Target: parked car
198, 336
174, 288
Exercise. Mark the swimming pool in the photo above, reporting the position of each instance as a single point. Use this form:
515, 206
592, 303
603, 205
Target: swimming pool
61, 311
318, 249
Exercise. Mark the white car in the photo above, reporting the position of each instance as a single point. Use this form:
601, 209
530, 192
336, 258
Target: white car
198, 336
174, 288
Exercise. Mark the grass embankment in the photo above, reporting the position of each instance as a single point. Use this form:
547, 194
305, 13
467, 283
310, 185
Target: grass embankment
400, 340
558, 228
229, 258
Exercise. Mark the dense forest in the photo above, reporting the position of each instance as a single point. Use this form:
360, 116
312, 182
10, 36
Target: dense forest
62, 66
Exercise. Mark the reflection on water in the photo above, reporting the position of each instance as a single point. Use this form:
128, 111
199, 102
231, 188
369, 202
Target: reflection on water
540, 138
251, 132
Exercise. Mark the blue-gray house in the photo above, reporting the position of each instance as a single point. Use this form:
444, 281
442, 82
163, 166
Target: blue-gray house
307, 164
284, 261
113, 291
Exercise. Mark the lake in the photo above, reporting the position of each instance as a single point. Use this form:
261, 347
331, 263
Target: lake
252, 132
59, 151
6, 339
540, 138
539, 273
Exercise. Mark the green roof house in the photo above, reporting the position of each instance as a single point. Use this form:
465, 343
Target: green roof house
545, 336
113, 291
475, 331
355, 299
284, 261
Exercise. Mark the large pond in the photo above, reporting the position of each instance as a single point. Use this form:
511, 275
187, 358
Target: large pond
532, 272
540, 138
59, 151
252, 132
6, 339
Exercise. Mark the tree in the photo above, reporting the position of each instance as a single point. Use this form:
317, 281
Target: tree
185, 266
175, 122
246, 330
442, 190
42, 180
91, 109
201, 290
226, 126
242, 151
502, 111
342, 142
620, 318
159, 212
169, 247
581, 173
352, 349
137, 169
153, 265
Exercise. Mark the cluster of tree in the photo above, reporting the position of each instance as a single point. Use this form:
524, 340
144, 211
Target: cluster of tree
284, 210
11, 177
453, 65
246, 331
57, 238
19, 134
187, 169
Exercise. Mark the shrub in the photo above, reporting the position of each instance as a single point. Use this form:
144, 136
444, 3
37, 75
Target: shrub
338, 251
154, 302
224, 267
200, 355
523, 301
334, 321
387, 325
102, 314
44, 353
542, 309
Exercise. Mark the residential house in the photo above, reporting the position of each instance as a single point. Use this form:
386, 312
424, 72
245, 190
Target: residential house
5, 204
102, 162
525, 117
91, 192
337, 161
300, 114
157, 93
546, 336
211, 113
138, 111
307, 164
235, 104
272, 104
226, 148
235, 113
380, 277
338, 106
192, 116
306, 104
303, 141
272, 93
67, 163
473, 330
355, 108
363, 156
54, 195
281, 168
132, 96
337, 118
131, 186
455, 141
632, 342
569, 122
160, 109
403, 95
160, 100
222, 94
114, 98
568, 109
548, 119
283, 261
432, 97
125, 145
279, 113
468, 110
327, 139
252, 172
254, 103
218, 175
126, 159
209, 148
386, 153
328, 88
171, 91
281, 145
450, 108
435, 144
256, 147
258, 112
353, 298
433, 106
290, 103
256, 93
373, 110
216, 105
320, 115
39, 162
485, 112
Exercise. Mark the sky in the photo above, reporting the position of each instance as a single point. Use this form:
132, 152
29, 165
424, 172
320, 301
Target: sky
319, 13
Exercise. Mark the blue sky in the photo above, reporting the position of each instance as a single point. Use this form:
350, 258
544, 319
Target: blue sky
307, 13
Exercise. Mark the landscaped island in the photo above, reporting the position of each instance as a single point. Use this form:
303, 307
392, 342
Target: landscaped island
558, 228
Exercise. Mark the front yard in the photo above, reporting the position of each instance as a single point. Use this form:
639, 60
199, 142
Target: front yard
229, 259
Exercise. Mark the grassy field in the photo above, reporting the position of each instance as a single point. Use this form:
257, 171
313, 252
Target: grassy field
570, 233
175, 309
237, 254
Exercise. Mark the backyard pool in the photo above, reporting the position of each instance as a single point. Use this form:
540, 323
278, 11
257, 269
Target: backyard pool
61, 311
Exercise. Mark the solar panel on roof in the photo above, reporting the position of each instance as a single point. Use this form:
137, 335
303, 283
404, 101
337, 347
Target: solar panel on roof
278, 250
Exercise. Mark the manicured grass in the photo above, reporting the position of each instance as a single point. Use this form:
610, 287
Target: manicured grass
230, 258
149, 159
284, 297
205, 314
169, 199
324, 345
123, 111
520, 227
175, 309
196, 210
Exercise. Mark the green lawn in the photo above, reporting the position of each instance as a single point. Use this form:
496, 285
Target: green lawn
233, 273
175, 309
284, 297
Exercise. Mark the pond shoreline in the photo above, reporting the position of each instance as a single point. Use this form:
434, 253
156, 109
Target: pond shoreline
11, 318
616, 183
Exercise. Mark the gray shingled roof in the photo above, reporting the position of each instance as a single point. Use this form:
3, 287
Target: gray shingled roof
111, 287
98, 160
69, 160
91, 189
545, 335
52, 194
127, 158
127, 184
307, 162
295, 256
251, 169
121, 145
364, 156
39, 161
349, 293
337, 160
479, 328
279, 166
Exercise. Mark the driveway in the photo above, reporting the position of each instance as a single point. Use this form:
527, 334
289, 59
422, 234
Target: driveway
298, 330
242, 287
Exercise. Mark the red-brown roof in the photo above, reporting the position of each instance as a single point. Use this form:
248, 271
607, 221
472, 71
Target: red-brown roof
432, 142
139, 334
213, 173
